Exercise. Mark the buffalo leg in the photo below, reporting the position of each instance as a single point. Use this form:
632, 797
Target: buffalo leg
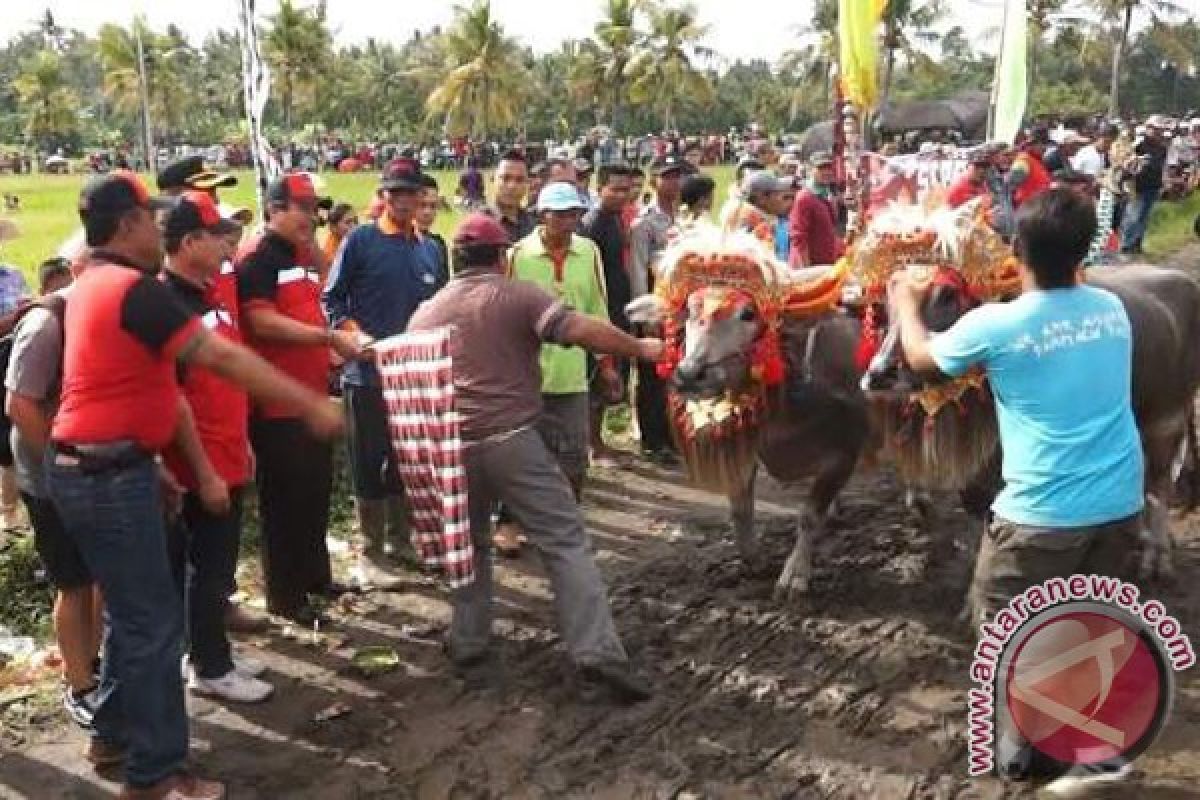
1159, 450
797, 572
741, 505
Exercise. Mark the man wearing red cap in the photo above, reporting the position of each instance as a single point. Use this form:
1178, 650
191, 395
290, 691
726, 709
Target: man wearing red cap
221, 412
280, 300
124, 334
499, 326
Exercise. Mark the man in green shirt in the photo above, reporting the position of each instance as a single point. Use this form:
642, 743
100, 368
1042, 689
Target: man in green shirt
569, 267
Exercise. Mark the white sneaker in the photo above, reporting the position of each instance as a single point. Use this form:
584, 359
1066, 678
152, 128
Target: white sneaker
232, 686
250, 667
1080, 781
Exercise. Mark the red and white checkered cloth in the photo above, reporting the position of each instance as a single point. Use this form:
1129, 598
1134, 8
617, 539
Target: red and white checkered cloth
418, 390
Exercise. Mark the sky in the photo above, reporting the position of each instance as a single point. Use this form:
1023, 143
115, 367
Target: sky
540, 23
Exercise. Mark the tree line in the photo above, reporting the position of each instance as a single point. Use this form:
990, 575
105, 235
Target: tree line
643, 67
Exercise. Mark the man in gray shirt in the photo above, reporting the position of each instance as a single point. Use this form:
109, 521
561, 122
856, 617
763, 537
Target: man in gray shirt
33, 382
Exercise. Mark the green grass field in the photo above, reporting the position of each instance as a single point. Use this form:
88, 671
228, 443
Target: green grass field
48, 215
48, 202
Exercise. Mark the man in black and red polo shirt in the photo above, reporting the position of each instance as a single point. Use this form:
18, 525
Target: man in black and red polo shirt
124, 333
280, 298
221, 413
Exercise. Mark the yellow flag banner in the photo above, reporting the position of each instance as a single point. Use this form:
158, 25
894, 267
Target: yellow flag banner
858, 22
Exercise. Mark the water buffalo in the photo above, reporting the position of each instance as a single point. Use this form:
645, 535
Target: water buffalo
1164, 311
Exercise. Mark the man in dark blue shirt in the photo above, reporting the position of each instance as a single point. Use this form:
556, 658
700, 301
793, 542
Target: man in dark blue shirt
380, 276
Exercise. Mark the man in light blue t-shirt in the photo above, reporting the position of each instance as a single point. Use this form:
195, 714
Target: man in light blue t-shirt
1059, 362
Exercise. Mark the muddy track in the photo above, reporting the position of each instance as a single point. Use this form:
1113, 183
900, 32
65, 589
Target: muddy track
857, 691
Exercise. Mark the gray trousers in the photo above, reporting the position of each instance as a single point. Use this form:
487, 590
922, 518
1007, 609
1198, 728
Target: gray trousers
520, 471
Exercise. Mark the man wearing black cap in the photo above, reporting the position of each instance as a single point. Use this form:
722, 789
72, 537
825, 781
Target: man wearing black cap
381, 274
281, 313
499, 326
649, 238
124, 333
194, 234
190, 173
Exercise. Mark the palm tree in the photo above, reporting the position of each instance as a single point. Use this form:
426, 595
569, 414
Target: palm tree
483, 74
664, 72
810, 64
298, 45
617, 37
906, 22
169, 94
1121, 12
50, 106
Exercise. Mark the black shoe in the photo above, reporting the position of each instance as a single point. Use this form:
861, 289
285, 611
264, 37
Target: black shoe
617, 680
80, 706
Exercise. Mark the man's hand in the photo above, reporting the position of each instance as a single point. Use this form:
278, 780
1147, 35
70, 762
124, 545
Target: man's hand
214, 494
906, 288
349, 345
172, 492
611, 386
650, 349
324, 419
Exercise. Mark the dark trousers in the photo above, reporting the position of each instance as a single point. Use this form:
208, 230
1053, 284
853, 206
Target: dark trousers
369, 443
295, 479
116, 519
212, 554
651, 405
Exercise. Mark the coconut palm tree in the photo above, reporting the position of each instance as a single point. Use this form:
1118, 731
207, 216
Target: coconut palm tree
905, 23
1119, 14
616, 39
663, 70
168, 93
483, 75
809, 65
49, 106
298, 45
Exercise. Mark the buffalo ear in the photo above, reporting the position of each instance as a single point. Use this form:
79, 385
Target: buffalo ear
648, 309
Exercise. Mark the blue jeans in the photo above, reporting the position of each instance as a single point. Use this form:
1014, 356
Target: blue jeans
1137, 218
116, 519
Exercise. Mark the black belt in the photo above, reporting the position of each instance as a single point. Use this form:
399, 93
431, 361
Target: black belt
97, 458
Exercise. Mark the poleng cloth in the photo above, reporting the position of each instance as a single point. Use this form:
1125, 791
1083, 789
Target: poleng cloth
418, 390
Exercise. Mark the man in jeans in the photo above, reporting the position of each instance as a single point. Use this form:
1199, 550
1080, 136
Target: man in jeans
499, 326
33, 382
1151, 152
1072, 458
381, 274
124, 334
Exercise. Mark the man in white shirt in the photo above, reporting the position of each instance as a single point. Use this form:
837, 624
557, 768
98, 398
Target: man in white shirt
1093, 160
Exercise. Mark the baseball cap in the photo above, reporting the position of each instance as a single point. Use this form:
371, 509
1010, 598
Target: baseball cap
190, 173
560, 196
295, 187
764, 181
1074, 137
666, 165
402, 173
582, 166
118, 191
823, 158
982, 155
479, 228
196, 211
242, 214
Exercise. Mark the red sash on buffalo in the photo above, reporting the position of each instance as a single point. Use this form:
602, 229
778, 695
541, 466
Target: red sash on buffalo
418, 389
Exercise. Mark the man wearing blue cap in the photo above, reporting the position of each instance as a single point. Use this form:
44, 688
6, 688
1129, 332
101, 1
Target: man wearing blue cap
569, 267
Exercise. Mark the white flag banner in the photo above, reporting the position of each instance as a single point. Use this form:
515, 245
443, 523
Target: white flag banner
256, 87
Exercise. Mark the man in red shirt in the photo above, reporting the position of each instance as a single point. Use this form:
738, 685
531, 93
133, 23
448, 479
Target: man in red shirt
124, 334
221, 413
974, 182
280, 298
812, 225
